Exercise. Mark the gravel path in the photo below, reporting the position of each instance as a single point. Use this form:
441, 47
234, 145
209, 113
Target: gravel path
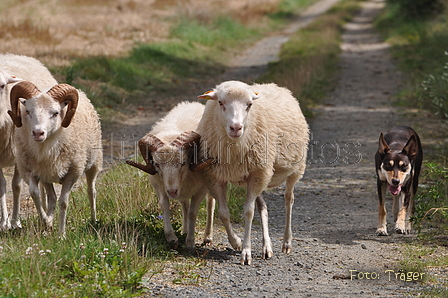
335, 212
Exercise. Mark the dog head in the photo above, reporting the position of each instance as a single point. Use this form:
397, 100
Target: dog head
396, 164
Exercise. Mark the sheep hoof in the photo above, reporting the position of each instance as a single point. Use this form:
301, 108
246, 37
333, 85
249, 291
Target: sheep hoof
5, 226
236, 243
287, 248
207, 241
16, 224
246, 257
267, 254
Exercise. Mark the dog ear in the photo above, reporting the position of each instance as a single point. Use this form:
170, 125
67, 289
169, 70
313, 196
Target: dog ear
411, 148
383, 147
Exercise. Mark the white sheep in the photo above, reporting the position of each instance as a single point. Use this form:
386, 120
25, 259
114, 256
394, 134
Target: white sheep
168, 150
60, 139
14, 68
257, 137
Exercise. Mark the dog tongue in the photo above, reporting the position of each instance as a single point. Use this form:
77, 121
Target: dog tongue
394, 190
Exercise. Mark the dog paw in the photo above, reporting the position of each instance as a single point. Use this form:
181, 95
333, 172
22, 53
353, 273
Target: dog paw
381, 232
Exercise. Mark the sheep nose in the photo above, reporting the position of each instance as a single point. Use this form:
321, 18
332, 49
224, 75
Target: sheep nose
395, 181
235, 127
38, 133
172, 192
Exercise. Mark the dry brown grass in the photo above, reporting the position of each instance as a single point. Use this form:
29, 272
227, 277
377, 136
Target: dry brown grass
56, 31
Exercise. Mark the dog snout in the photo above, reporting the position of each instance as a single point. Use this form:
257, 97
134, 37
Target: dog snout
395, 181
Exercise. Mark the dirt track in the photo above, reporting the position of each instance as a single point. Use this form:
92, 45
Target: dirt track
335, 213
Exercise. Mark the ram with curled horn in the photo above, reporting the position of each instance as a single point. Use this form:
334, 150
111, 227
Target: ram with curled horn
170, 151
14, 69
58, 135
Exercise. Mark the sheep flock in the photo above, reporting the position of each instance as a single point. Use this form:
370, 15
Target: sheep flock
254, 136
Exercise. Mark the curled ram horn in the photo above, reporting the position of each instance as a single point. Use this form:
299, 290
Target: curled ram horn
69, 94
24, 90
147, 144
186, 140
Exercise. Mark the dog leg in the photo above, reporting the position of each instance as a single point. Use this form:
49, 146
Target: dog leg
401, 218
395, 206
382, 224
409, 214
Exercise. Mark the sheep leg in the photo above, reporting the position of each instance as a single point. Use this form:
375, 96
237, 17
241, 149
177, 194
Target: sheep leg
263, 211
67, 185
249, 206
4, 223
219, 191
91, 176
192, 216
208, 234
167, 227
289, 202
256, 183
43, 197
34, 192
16, 186
51, 199
185, 207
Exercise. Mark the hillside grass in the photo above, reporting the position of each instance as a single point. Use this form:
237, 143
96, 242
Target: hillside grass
419, 39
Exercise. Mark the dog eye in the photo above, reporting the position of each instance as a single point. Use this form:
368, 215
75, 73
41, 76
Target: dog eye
387, 167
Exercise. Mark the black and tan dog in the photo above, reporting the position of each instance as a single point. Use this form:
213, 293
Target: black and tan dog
398, 162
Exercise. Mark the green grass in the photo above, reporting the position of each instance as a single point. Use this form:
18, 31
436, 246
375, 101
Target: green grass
104, 259
421, 46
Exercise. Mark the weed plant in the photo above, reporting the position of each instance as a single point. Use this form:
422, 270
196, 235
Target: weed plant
420, 44
432, 200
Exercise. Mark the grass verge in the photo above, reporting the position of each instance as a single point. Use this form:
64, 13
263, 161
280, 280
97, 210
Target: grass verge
419, 39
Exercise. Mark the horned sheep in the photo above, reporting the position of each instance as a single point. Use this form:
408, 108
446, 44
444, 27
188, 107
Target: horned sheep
14, 68
168, 150
254, 136
58, 138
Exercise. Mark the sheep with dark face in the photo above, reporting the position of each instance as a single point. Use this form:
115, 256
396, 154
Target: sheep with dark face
58, 138
258, 138
13, 69
169, 150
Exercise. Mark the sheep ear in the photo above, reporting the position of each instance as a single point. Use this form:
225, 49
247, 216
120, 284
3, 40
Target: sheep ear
255, 95
209, 95
13, 79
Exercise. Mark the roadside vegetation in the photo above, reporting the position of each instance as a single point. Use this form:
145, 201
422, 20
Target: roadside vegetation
418, 32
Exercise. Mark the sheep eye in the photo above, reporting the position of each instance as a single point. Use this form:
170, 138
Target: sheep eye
249, 105
220, 103
2, 86
55, 114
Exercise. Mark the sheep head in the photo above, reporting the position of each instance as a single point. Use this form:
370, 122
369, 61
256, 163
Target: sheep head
168, 160
234, 100
44, 111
